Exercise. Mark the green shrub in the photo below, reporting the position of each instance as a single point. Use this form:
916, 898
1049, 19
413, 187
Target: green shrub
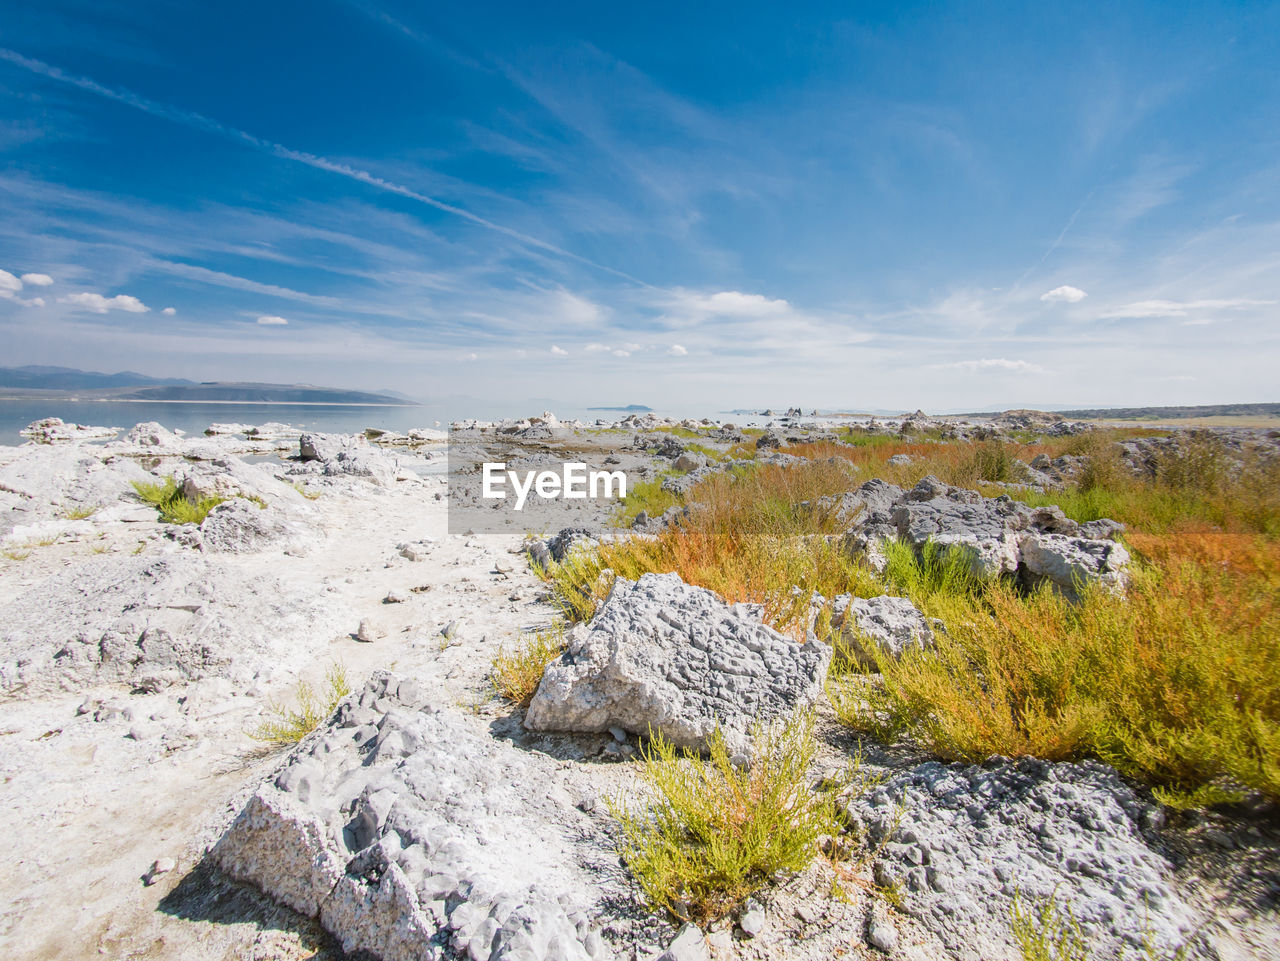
715, 832
173, 505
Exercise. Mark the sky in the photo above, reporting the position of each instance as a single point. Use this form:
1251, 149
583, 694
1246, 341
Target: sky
843, 206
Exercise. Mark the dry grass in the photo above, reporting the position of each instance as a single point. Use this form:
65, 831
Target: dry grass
517, 672
1174, 684
287, 725
756, 536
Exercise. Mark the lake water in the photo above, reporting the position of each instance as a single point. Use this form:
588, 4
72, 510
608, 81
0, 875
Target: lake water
337, 419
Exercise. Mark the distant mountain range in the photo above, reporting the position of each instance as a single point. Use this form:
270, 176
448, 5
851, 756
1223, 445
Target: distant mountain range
128, 385
68, 378
632, 408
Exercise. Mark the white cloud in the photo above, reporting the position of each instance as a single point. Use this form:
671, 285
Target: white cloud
622, 353
1179, 308
9, 284
596, 348
270, 320
631, 347
1064, 295
559, 351
37, 280
169, 311
33, 302
676, 350
100, 305
471, 357
734, 303
997, 363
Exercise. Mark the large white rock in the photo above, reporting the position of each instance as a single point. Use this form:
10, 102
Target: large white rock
336, 455
412, 837
663, 656
890, 625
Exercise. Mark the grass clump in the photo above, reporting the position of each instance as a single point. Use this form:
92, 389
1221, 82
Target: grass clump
516, 673
80, 513
1043, 932
287, 725
648, 497
715, 832
1173, 684
174, 506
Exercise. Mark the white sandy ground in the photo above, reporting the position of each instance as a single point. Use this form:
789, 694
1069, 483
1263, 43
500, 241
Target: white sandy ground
85, 808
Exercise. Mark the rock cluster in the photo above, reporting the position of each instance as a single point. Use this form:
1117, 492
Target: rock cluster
413, 838
961, 842
1000, 535
338, 455
661, 655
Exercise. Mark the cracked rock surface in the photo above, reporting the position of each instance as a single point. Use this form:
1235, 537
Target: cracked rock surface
960, 842
662, 654
412, 837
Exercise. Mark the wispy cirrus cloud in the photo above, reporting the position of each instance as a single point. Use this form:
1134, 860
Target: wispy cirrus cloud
1180, 308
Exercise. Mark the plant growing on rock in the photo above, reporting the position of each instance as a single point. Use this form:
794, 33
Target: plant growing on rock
516, 672
287, 725
175, 507
715, 832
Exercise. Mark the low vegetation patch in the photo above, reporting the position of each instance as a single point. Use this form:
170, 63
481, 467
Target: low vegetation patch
286, 725
756, 535
517, 671
174, 506
715, 833
1176, 684
80, 513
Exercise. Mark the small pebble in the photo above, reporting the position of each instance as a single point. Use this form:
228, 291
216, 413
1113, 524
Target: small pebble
753, 923
159, 866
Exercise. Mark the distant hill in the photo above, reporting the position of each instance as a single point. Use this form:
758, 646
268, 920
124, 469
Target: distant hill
128, 385
259, 394
633, 408
36, 377
1174, 413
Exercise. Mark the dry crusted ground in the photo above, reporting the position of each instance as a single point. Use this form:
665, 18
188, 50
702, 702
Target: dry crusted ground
85, 808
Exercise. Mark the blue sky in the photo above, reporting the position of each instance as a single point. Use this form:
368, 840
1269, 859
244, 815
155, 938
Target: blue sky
835, 205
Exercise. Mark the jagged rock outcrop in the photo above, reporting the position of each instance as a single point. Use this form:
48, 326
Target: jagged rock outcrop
960, 842
664, 656
349, 455
182, 616
1000, 535
412, 837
